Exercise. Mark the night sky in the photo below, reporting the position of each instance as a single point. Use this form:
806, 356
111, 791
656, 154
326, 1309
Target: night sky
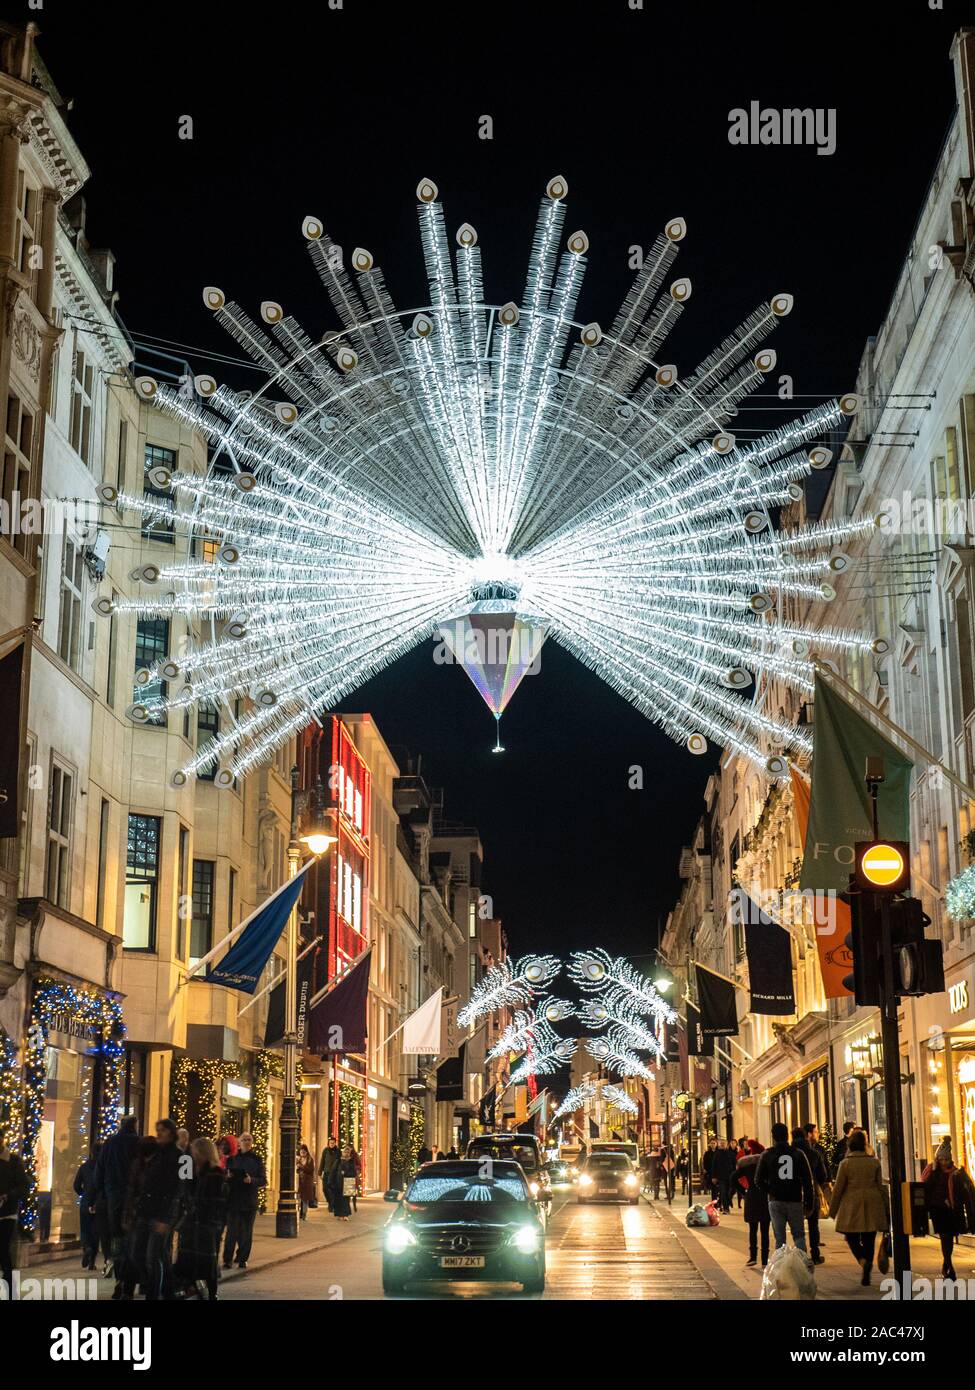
300, 110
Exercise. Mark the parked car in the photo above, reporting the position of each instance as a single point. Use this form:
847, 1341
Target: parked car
462, 1220
608, 1177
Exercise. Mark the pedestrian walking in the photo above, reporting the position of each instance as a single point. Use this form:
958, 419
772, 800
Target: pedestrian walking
821, 1188
708, 1183
330, 1159
784, 1175
226, 1149
247, 1176
344, 1178
84, 1186
756, 1211
307, 1183
653, 1172
683, 1170
202, 1224
859, 1202
357, 1162
14, 1187
839, 1152
129, 1272
949, 1197
722, 1173
113, 1173
157, 1210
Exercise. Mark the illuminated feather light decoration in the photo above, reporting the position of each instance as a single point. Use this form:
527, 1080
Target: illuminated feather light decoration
575, 1099
618, 985
618, 1098
616, 1013
476, 462
514, 982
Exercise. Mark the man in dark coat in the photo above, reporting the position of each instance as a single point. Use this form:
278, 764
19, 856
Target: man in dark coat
110, 1183
14, 1188
156, 1212
247, 1176
784, 1175
817, 1166
839, 1152
330, 1159
722, 1171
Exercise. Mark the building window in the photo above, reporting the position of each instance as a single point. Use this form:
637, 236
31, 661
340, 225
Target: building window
70, 622
57, 886
82, 387
134, 1088
183, 892
141, 883
112, 656
207, 729
17, 454
151, 647
103, 820
154, 527
123, 450
201, 928
28, 227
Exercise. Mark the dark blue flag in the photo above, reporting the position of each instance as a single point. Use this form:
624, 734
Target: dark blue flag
241, 967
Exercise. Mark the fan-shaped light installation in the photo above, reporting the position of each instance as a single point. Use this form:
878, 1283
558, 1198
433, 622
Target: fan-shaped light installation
614, 1012
613, 1051
511, 982
504, 465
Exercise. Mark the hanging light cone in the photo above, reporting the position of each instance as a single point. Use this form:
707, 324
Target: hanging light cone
497, 650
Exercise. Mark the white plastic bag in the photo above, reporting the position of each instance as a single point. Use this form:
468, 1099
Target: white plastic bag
788, 1276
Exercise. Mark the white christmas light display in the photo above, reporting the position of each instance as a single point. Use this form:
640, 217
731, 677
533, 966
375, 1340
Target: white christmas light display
613, 1011
618, 985
412, 467
513, 982
575, 1099
618, 1098
613, 1051
546, 1053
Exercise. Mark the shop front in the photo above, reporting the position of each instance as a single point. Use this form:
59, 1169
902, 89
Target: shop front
73, 1074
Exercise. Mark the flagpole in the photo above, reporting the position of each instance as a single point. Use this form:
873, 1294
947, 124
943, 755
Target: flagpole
832, 678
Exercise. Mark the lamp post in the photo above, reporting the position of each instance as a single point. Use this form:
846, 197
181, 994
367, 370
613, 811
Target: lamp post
318, 842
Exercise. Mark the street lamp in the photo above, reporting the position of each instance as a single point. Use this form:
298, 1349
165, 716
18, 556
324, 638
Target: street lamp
318, 841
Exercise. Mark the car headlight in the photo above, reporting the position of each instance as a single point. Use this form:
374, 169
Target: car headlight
398, 1238
630, 1180
534, 1189
585, 1180
525, 1240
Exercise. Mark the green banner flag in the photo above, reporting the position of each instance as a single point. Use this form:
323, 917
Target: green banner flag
840, 813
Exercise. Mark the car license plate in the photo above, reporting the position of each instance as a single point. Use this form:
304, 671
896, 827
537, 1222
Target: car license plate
607, 1192
462, 1262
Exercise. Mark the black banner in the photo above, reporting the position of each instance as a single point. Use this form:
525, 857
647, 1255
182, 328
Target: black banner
274, 1028
697, 1044
716, 996
450, 1077
485, 1111
769, 952
11, 670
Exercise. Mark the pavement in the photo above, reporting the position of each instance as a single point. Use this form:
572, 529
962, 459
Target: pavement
726, 1245
319, 1232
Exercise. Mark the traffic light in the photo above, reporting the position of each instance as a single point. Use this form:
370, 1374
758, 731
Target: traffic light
863, 941
918, 962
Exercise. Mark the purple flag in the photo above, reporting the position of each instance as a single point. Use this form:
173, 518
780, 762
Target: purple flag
337, 1023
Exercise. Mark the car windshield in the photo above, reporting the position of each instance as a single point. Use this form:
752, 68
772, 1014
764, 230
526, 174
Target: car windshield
468, 1186
517, 1153
616, 1163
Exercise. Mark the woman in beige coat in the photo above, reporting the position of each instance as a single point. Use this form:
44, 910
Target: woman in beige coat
859, 1202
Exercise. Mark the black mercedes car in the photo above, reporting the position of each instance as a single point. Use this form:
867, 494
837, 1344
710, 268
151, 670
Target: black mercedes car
469, 1219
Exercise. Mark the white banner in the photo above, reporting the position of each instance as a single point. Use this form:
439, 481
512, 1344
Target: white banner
421, 1031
